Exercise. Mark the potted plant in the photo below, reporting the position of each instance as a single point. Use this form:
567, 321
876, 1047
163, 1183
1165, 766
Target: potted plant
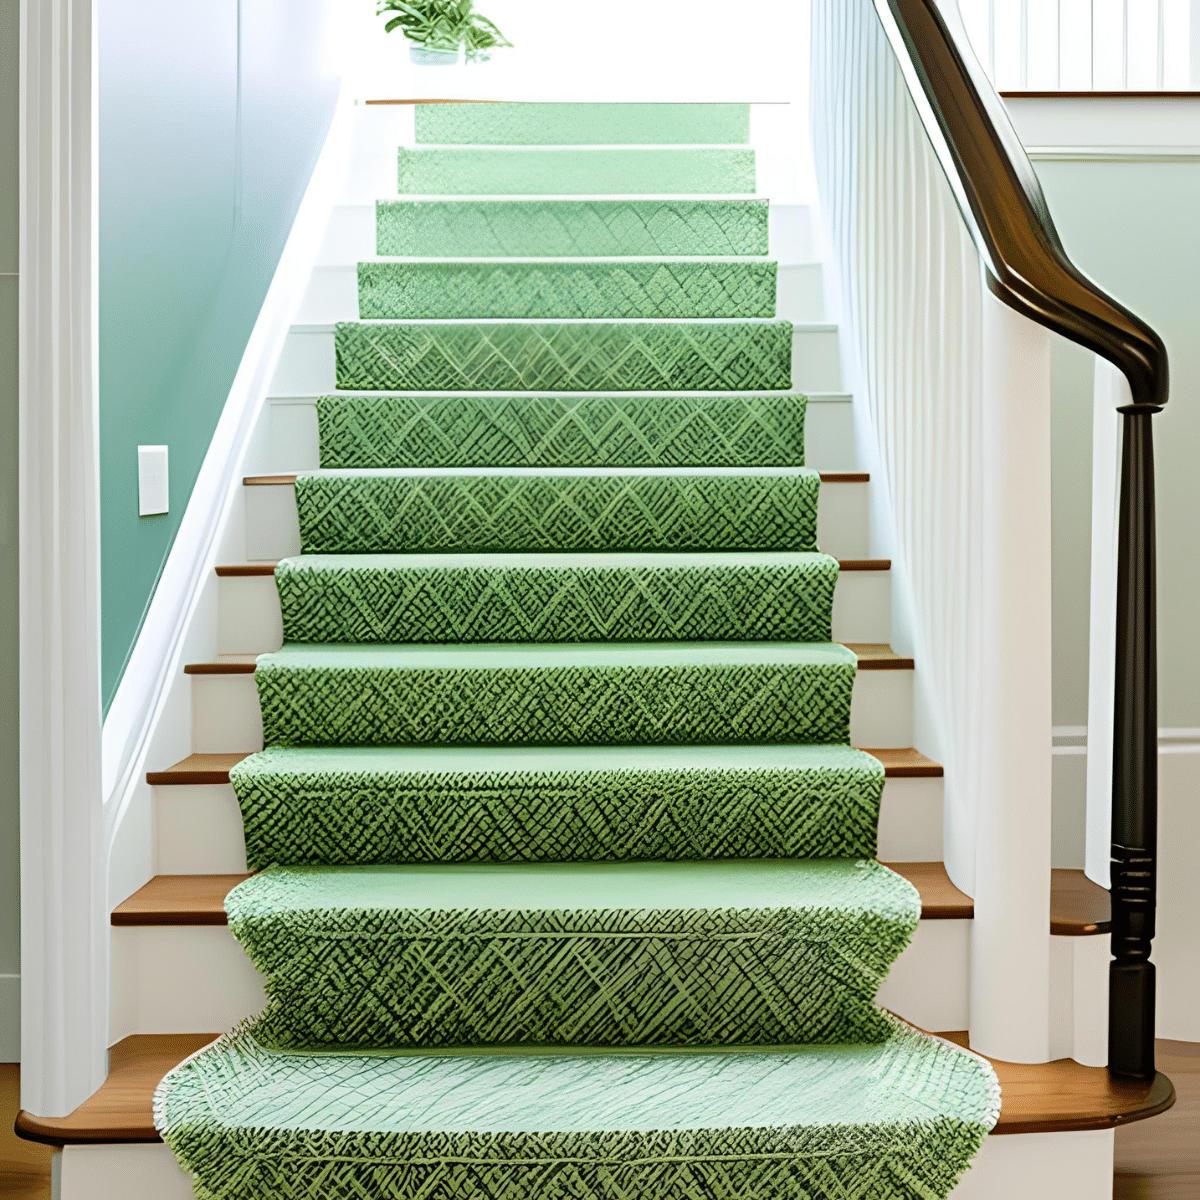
437, 28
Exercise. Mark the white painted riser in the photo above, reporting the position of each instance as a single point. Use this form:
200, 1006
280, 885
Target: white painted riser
226, 716
333, 292
198, 827
249, 620
307, 364
273, 528
1034, 1166
196, 979
290, 438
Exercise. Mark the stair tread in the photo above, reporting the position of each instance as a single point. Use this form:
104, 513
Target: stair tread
826, 476
200, 899
905, 763
871, 656
632, 558
1035, 1098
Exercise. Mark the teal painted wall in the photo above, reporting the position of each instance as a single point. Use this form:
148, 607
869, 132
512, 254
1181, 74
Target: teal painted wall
10, 990
211, 119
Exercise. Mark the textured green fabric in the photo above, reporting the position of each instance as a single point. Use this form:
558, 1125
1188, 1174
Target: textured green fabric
567, 171
714, 429
586, 357
686, 288
376, 512
588, 954
581, 124
557, 598
896, 1120
346, 806
493, 227
561, 695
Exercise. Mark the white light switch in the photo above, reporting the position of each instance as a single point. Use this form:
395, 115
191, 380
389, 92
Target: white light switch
153, 490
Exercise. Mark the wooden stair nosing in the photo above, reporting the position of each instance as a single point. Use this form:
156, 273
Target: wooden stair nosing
1078, 907
872, 656
1054, 1097
254, 569
214, 768
286, 479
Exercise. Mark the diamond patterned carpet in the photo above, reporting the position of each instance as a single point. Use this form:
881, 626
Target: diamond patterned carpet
566, 880
397, 805
540, 598
605, 290
584, 357
713, 429
344, 512
481, 227
572, 171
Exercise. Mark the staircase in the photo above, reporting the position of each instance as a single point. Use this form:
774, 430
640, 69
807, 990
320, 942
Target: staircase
539, 684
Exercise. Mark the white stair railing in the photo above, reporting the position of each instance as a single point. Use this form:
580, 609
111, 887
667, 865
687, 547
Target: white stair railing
1086, 45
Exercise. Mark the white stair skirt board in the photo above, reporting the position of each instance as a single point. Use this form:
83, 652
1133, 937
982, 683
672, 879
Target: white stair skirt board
249, 619
1042, 1166
198, 828
307, 364
180, 979
292, 437
197, 979
332, 293
273, 529
134, 1172
226, 717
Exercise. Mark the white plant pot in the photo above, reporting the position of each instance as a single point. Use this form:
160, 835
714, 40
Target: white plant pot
424, 56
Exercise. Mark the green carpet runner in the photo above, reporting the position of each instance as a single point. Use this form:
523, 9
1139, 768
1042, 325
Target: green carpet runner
572, 171
557, 597
572, 429
557, 508
684, 288
567, 884
327, 806
585, 356
500, 228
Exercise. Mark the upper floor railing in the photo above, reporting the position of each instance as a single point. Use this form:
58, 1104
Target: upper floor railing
1086, 45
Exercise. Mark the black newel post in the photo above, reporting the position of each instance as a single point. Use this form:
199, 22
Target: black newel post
1135, 760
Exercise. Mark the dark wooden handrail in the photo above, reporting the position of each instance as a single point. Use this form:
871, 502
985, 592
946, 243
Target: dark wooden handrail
1005, 210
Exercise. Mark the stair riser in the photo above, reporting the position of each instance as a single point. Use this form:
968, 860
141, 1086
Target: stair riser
691, 289
351, 234
273, 528
249, 620
198, 827
508, 171
307, 364
333, 295
180, 979
292, 435
1050, 1166
226, 716
581, 125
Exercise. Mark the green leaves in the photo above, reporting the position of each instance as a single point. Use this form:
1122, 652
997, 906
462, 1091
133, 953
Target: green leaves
443, 25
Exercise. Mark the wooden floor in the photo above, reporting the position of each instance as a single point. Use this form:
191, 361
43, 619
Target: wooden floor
1156, 1160
24, 1166
1160, 1159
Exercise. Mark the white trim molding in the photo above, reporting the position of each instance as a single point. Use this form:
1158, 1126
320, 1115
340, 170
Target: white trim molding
64, 985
